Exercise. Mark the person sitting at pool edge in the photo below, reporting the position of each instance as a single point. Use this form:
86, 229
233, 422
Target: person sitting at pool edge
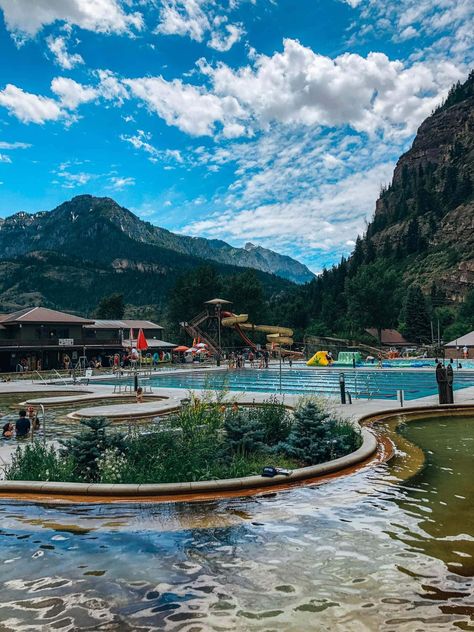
7, 432
23, 425
139, 395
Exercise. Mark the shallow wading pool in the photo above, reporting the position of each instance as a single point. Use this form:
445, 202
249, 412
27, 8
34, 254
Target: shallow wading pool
387, 548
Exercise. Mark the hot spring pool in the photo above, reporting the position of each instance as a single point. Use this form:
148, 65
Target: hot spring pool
387, 548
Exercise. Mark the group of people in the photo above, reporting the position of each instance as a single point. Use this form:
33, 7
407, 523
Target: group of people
237, 360
27, 420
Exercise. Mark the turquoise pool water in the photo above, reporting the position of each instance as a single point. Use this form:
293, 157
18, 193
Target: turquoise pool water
375, 551
363, 384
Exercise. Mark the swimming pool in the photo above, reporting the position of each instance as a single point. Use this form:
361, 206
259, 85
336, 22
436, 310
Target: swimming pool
361, 384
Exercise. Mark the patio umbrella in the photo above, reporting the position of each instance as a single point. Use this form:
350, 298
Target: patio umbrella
181, 349
142, 344
201, 345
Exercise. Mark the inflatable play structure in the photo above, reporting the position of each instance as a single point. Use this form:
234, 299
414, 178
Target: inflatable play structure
320, 358
277, 337
344, 358
348, 358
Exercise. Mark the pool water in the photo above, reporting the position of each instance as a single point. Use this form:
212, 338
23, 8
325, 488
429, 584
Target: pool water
378, 550
364, 384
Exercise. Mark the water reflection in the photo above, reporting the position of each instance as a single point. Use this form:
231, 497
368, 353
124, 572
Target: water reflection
355, 554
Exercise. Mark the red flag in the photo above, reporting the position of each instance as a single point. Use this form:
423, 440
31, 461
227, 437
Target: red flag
142, 344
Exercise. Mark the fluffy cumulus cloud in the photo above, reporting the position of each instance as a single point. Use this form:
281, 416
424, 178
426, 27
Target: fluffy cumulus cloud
192, 109
299, 86
71, 94
27, 17
200, 20
34, 108
28, 107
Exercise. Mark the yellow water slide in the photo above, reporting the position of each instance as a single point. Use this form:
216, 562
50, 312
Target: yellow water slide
275, 335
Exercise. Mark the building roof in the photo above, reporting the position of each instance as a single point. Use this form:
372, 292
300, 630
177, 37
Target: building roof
466, 340
123, 324
390, 337
153, 344
34, 315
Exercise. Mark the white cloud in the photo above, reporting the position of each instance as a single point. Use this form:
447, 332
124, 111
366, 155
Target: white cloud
427, 19
69, 180
141, 141
321, 221
15, 145
28, 107
223, 40
119, 182
190, 108
299, 86
198, 20
58, 46
4, 158
111, 87
27, 17
72, 94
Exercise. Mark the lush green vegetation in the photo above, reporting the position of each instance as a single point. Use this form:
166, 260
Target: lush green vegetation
204, 440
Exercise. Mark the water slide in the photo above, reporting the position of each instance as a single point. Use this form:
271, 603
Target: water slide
276, 336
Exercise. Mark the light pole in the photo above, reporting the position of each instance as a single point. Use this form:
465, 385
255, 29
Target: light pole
218, 311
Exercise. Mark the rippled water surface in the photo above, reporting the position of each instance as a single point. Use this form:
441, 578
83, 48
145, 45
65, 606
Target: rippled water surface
378, 550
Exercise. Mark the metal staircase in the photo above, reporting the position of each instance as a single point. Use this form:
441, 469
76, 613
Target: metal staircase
194, 331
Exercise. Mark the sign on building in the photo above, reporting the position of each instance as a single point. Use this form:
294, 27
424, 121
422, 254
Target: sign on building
66, 342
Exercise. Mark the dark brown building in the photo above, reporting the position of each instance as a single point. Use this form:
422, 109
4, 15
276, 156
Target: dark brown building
41, 338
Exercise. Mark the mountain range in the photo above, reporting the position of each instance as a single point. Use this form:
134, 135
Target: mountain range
81, 224
88, 247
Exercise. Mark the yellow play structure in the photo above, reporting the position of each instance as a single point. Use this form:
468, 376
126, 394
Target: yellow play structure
320, 358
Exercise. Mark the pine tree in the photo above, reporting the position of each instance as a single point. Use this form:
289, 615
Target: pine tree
244, 434
415, 315
89, 445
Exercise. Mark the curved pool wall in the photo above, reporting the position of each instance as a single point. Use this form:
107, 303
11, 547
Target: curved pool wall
365, 552
361, 384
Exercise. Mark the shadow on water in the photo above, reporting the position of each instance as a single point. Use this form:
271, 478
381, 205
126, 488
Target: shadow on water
378, 550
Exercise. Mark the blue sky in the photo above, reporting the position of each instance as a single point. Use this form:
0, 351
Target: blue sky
271, 121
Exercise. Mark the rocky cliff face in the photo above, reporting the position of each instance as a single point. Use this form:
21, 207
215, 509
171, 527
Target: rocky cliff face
85, 225
425, 218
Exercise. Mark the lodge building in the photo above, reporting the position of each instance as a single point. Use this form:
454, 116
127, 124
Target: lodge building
38, 338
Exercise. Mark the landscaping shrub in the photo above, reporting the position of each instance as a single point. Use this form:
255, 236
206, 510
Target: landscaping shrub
204, 440
36, 462
88, 446
316, 436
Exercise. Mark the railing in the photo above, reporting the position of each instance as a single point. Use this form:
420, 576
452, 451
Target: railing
44, 343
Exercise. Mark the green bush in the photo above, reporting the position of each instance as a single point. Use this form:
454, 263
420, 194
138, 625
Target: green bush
36, 462
201, 441
88, 446
317, 437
